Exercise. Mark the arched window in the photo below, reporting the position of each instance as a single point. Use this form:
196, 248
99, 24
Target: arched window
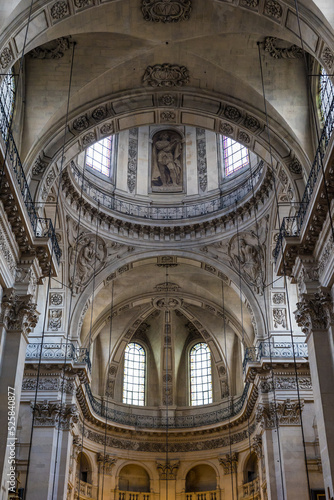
134, 375
99, 156
326, 94
234, 156
200, 375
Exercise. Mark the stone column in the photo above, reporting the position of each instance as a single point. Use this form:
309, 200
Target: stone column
315, 316
229, 462
284, 457
50, 452
105, 464
18, 317
167, 476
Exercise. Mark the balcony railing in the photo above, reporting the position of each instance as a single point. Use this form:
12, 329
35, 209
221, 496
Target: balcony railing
42, 228
275, 350
202, 495
291, 226
251, 490
184, 211
55, 352
86, 490
132, 495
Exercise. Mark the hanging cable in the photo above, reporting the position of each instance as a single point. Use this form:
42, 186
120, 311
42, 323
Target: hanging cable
107, 384
46, 302
286, 290
229, 388
167, 326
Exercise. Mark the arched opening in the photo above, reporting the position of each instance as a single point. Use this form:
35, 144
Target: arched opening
134, 478
251, 470
84, 470
201, 478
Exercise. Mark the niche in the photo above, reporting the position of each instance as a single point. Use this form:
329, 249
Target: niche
201, 478
84, 470
134, 478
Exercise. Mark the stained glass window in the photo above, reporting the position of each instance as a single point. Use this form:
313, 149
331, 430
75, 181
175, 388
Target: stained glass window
326, 94
200, 375
98, 156
7, 94
134, 375
235, 156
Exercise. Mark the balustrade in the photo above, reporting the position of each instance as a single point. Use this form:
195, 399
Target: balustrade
251, 490
132, 495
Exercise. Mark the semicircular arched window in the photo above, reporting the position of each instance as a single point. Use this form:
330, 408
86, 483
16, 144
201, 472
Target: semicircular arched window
200, 375
99, 156
134, 374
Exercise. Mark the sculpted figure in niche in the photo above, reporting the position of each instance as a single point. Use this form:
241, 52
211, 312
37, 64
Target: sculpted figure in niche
167, 167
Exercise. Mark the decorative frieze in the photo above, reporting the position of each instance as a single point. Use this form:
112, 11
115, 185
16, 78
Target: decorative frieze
166, 11
201, 159
167, 100
132, 159
166, 75
49, 384
226, 129
6, 252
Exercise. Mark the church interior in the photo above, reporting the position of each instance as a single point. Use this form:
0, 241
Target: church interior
166, 249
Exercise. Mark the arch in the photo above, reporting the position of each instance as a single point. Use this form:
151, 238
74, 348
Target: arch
134, 477
201, 477
84, 468
251, 468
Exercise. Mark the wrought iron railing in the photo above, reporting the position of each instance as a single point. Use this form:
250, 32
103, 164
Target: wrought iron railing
231, 409
184, 211
274, 350
291, 226
55, 352
42, 227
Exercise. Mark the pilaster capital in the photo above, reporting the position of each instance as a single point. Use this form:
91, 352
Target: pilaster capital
257, 445
287, 412
105, 462
18, 312
315, 311
229, 462
49, 413
168, 470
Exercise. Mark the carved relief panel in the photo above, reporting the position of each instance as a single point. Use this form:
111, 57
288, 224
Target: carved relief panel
167, 165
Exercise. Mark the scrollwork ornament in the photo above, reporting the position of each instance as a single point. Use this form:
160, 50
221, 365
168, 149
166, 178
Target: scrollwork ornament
292, 52
166, 75
295, 166
166, 11
250, 3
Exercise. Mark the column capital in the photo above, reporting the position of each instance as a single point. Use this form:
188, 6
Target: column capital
18, 312
271, 414
49, 413
315, 311
168, 470
105, 462
229, 462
